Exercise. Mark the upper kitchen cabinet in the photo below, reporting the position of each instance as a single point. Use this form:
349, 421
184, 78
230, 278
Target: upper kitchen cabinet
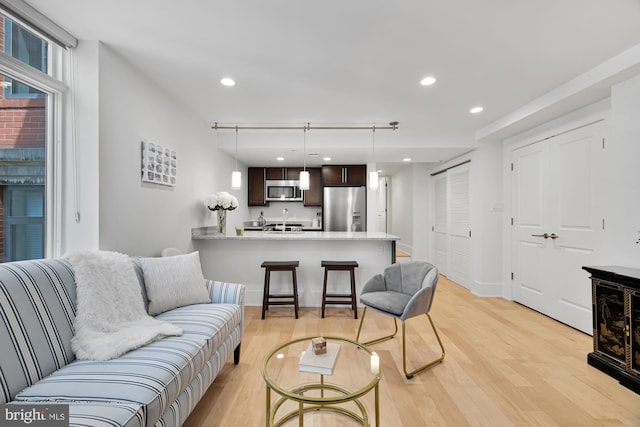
313, 196
282, 173
345, 175
256, 187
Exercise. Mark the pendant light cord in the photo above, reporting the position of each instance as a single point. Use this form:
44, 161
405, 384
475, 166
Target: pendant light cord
236, 147
304, 148
374, 144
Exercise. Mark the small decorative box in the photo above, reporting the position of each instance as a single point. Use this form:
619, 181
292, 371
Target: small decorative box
319, 345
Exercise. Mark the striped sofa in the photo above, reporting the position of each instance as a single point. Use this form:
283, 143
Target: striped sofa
156, 385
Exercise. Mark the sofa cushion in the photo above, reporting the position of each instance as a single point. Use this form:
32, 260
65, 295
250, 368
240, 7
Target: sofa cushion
152, 376
199, 320
388, 302
37, 308
173, 282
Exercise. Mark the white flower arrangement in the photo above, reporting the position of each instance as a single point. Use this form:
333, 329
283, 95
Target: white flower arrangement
221, 201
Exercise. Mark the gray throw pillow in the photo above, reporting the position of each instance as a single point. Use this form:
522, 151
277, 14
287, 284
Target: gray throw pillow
173, 282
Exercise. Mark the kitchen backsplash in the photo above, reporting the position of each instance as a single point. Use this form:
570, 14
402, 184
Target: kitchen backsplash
273, 212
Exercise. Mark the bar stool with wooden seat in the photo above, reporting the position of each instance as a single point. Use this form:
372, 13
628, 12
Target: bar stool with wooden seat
288, 299
342, 299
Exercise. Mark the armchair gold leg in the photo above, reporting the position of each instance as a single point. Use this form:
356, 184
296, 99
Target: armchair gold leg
410, 375
376, 340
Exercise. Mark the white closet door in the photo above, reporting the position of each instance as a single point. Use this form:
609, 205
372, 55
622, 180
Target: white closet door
440, 229
459, 225
556, 185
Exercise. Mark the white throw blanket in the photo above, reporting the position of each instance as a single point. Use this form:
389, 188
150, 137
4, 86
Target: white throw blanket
111, 319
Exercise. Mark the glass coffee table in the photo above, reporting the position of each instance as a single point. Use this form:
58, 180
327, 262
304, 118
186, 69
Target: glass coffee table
356, 372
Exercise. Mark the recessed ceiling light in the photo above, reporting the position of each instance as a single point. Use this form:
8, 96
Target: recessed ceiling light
428, 81
326, 159
406, 159
280, 159
476, 110
228, 81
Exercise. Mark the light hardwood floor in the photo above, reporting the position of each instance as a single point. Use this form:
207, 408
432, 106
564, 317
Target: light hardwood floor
505, 365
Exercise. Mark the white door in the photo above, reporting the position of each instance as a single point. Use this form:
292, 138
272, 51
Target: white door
556, 185
459, 225
440, 229
530, 210
451, 225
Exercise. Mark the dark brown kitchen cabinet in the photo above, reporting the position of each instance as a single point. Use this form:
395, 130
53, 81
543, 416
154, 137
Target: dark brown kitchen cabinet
282, 173
344, 175
616, 323
256, 178
313, 196
275, 173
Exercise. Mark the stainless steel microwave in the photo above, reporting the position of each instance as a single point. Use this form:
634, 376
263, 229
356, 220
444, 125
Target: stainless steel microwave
283, 191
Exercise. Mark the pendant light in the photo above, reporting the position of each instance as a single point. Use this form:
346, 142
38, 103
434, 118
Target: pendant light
236, 176
373, 175
304, 174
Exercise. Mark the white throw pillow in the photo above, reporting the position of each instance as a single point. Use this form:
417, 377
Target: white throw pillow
174, 281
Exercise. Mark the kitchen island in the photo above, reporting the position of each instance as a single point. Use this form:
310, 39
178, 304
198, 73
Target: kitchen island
237, 259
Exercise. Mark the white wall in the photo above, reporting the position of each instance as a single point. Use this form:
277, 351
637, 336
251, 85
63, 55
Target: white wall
118, 107
421, 213
400, 207
142, 218
624, 209
487, 220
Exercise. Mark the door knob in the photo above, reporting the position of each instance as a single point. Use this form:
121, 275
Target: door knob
554, 236
545, 235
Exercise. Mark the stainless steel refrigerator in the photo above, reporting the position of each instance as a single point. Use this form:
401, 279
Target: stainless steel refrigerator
345, 209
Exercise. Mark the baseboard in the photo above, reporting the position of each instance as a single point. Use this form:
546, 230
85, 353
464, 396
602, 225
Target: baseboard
404, 248
487, 289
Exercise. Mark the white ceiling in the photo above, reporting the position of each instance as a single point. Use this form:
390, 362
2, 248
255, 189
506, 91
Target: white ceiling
338, 62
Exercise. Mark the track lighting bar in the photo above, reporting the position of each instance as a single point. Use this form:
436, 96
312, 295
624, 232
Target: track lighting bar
392, 126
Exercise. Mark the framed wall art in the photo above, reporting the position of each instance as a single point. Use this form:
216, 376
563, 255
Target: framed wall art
159, 164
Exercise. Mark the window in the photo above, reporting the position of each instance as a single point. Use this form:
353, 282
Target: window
33, 59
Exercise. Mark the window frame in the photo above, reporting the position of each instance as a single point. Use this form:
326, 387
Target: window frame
8, 25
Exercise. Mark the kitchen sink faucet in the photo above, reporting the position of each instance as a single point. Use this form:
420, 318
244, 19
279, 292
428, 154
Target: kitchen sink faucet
285, 212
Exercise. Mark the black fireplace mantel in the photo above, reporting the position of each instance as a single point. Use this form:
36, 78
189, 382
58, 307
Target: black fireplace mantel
614, 273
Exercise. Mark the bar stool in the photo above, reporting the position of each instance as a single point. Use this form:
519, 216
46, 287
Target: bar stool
287, 299
340, 298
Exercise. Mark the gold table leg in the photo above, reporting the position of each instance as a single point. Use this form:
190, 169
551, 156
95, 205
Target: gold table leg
268, 405
301, 414
377, 406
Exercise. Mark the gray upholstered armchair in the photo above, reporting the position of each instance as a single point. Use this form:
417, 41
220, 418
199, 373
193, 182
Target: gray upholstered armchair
403, 291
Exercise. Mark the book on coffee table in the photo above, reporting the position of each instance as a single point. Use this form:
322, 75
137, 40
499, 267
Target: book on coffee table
319, 363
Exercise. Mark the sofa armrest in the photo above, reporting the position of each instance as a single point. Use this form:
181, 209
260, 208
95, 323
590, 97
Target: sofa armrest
226, 293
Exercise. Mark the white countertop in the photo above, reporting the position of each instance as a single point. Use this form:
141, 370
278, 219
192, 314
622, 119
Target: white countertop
209, 233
